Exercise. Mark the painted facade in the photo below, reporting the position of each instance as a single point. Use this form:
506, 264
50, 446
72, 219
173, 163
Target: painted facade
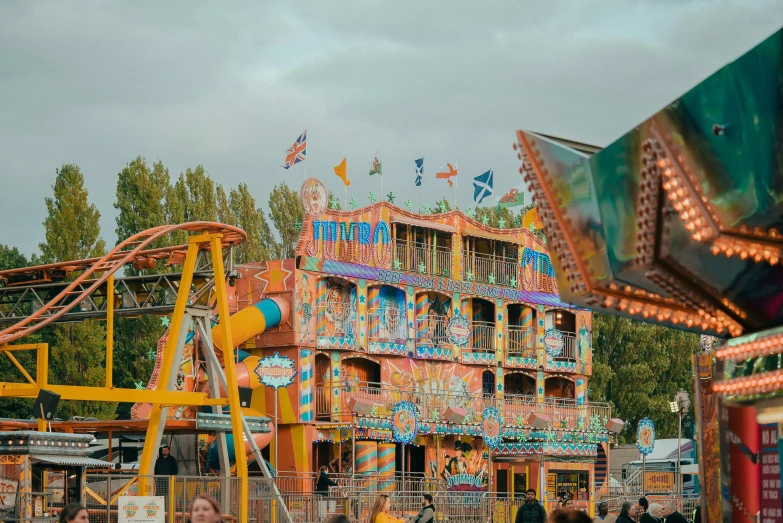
443, 313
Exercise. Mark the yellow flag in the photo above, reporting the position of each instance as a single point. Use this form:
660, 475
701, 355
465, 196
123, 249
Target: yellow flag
342, 172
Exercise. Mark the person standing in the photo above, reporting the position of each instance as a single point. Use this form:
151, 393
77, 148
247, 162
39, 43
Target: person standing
671, 515
322, 485
642, 515
166, 464
427, 512
603, 514
627, 513
531, 510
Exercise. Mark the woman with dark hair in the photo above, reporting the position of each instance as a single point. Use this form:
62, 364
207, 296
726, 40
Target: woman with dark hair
626, 513
322, 484
338, 518
205, 509
74, 513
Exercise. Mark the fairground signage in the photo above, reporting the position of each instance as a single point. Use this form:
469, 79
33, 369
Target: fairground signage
554, 342
458, 330
276, 371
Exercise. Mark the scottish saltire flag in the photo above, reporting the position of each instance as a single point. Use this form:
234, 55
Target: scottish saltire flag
447, 172
419, 170
297, 152
482, 186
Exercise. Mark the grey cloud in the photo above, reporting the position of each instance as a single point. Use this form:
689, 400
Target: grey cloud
231, 85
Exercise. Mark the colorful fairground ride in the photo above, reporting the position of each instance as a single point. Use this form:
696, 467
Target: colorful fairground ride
433, 353
680, 222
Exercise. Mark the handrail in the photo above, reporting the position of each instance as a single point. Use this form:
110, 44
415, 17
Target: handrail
109, 264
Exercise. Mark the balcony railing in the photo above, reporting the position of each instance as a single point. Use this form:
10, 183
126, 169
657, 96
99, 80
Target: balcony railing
482, 337
336, 319
485, 268
520, 342
431, 330
570, 347
387, 324
564, 413
419, 257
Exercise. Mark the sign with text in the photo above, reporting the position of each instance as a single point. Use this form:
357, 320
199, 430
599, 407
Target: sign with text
141, 509
771, 502
8, 488
276, 371
657, 481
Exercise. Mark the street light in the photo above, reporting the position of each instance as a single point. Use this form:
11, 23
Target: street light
680, 406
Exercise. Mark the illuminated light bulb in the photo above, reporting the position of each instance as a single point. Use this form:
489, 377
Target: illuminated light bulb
661, 163
667, 186
671, 196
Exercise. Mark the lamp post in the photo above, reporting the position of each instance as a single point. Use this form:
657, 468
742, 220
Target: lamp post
680, 405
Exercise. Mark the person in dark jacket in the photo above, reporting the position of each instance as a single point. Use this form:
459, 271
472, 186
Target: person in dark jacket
323, 482
627, 513
645, 517
671, 515
697, 514
166, 464
427, 512
531, 510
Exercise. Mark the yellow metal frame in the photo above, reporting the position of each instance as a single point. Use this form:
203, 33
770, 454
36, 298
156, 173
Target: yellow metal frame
160, 397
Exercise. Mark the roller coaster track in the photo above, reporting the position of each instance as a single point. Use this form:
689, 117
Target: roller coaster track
88, 281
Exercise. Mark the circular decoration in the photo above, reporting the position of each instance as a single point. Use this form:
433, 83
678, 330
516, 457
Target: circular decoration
458, 330
314, 196
405, 427
645, 436
554, 342
491, 421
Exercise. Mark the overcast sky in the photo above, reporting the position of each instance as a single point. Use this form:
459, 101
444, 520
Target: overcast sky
230, 85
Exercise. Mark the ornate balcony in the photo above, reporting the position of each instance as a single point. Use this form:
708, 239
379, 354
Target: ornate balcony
333, 404
388, 331
521, 347
336, 327
432, 339
422, 258
481, 345
485, 268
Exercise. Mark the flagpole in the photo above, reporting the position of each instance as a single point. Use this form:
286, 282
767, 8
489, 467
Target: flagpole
456, 182
345, 198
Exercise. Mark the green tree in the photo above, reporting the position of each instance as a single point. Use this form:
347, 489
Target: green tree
20, 408
141, 197
141, 201
72, 232
192, 198
72, 225
239, 209
638, 368
286, 211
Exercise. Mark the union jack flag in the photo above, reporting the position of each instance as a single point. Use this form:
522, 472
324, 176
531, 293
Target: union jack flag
297, 152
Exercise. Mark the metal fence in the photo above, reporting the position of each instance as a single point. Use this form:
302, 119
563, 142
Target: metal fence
520, 342
383, 397
387, 324
422, 258
103, 492
432, 330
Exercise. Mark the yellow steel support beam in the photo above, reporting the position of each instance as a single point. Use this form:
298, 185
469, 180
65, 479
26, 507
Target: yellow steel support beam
158, 414
110, 331
20, 367
232, 387
80, 393
42, 374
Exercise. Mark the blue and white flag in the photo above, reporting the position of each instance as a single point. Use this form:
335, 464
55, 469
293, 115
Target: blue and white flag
419, 170
482, 186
